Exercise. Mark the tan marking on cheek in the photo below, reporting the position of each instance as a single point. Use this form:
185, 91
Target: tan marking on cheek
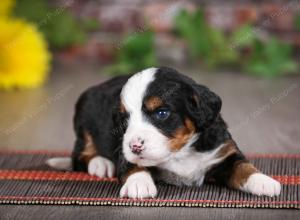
153, 103
89, 150
122, 107
134, 170
182, 135
228, 149
240, 174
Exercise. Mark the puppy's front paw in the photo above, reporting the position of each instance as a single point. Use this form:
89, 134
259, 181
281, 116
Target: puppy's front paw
139, 185
101, 167
260, 184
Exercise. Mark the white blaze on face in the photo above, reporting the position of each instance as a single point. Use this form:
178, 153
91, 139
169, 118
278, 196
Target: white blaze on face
155, 144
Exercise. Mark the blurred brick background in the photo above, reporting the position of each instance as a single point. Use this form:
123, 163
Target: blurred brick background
120, 17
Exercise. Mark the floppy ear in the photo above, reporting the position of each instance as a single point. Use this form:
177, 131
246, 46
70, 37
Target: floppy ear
203, 105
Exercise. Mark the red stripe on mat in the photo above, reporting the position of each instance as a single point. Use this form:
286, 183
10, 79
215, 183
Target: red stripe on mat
68, 153
49, 175
80, 176
146, 200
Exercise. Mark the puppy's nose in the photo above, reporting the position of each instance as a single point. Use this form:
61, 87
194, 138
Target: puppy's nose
137, 146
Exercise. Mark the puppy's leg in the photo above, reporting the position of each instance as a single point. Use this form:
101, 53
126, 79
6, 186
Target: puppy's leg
248, 179
138, 183
237, 172
87, 158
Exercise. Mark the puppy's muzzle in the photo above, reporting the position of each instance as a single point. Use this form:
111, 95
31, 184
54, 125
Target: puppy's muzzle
137, 146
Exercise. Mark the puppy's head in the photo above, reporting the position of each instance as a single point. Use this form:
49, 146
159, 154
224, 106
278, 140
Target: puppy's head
166, 112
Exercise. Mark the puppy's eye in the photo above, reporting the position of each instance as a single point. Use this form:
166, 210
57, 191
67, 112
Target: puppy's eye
162, 114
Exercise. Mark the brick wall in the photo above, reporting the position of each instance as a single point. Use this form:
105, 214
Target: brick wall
118, 17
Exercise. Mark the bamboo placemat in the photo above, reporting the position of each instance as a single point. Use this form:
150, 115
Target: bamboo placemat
25, 179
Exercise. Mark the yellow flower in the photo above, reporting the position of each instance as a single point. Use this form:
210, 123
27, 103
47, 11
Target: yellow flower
24, 58
6, 6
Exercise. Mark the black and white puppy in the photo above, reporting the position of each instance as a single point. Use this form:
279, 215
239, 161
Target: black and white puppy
159, 125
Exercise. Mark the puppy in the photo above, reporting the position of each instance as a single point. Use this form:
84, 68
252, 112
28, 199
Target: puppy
159, 125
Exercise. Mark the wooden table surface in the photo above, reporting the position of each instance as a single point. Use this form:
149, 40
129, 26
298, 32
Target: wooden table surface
262, 114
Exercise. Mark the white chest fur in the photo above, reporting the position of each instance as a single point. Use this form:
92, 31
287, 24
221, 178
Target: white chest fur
188, 166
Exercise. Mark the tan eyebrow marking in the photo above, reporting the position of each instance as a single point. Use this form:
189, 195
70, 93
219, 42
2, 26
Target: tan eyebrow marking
153, 103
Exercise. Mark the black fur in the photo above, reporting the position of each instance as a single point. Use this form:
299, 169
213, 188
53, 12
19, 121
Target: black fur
96, 112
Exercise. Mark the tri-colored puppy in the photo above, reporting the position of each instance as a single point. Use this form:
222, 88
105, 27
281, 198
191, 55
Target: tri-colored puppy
159, 125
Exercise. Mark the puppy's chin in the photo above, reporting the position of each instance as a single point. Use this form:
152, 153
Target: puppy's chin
145, 161
150, 163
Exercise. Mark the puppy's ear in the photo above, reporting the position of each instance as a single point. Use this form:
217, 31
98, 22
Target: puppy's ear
203, 105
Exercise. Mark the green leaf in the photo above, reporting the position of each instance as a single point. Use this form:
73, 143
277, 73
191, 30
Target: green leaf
90, 24
58, 25
136, 53
243, 36
297, 22
205, 43
271, 58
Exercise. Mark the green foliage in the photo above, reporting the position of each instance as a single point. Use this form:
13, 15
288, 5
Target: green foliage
57, 24
297, 22
214, 48
206, 43
90, 24
242, 37
135, 53
271, 58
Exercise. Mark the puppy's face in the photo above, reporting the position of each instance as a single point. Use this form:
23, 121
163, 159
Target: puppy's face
166, 111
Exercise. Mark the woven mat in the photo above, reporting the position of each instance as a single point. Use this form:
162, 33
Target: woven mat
25, 179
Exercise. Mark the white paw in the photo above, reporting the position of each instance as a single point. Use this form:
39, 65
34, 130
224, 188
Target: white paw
260, 184
101, 167
139, 185
60, 163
